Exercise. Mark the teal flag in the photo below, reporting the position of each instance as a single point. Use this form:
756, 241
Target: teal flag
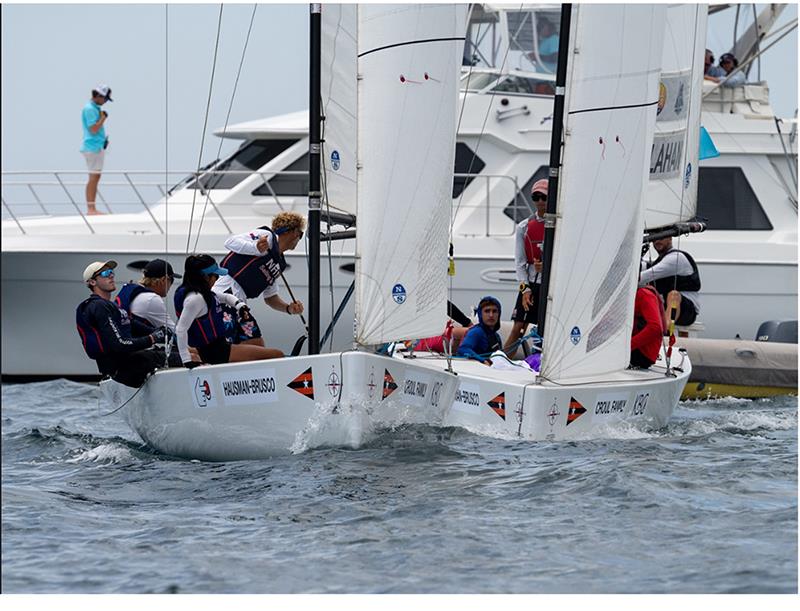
707, 148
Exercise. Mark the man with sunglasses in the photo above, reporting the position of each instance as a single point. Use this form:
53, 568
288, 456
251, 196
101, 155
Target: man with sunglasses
528, 264
254, 264
727, 64
95, 141
710, 70
105, 331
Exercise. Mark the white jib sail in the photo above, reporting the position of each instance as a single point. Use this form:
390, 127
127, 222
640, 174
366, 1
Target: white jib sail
409, 64
611, 97
339, 102
672, 191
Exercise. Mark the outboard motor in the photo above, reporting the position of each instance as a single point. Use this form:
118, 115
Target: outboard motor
781, 331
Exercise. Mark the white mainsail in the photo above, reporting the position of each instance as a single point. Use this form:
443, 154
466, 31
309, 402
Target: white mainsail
610, 112
672, 191
409, 59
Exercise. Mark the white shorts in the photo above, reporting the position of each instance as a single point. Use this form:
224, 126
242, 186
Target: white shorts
94, 161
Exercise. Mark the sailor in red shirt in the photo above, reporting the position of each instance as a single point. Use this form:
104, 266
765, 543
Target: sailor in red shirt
648, 327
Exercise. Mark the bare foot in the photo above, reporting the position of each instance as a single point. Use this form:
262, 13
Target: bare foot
94, 212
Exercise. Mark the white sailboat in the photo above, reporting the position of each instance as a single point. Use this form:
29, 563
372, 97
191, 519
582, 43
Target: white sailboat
407, 60
613, 58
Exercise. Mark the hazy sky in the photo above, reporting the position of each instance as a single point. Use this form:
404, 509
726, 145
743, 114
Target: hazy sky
52, 56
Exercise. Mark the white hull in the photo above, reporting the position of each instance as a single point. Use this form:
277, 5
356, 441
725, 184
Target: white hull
510, 404
253, 410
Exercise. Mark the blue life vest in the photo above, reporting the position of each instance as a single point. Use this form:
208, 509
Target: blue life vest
90, 335
126, 295
208, 327
255, 273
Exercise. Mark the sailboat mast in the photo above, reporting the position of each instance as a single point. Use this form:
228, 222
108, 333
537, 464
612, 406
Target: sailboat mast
314, 159
555, 163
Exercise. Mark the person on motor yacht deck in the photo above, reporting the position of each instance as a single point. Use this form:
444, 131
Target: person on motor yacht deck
677, 279
710, 70
483, 339
95, 141
727, 64
201, 323
254, 263
529, 235
105, 331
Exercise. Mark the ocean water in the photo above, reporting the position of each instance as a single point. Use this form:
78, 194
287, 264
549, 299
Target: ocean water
706, 505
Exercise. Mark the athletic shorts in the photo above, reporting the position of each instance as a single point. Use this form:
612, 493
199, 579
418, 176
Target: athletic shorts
530, 317
94, 161
237, 329
218, 351
688, 313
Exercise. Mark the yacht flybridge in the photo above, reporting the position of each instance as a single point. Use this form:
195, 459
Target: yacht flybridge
748, 194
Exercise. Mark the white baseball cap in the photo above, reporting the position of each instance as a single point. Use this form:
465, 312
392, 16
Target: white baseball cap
93, 268
105, 91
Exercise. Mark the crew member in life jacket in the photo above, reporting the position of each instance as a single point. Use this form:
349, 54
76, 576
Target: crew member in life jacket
675, 276
528, 264
254, 265
483, 339
105, 331
648, 327
201, 323
144, 300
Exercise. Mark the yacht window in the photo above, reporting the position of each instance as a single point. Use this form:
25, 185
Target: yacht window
476, 81
527, 86
250, 157
521, 207
467, 162
726, 199
288, 184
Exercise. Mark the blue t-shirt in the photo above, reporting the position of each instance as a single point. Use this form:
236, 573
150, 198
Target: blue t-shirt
92, 143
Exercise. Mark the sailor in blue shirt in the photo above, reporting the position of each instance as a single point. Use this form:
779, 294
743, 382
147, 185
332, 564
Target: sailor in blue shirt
483, 339
95, 141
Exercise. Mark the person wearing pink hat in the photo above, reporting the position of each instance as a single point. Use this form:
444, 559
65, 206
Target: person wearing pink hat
528, 264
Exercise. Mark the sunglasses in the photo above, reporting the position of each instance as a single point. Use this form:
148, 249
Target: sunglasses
106, 273
300, 237
539, 197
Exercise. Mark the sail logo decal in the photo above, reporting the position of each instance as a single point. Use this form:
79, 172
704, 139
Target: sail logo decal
575, 335
662, 98
203, 395
399, 294
498, 405
687, 176
304, 384
666, 156
672, 90
389, 385
249, 386
575, 411
336, 160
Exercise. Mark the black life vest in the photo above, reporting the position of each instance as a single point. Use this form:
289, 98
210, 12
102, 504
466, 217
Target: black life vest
208, 327
90, 335
679, 283
126, 295
254, 273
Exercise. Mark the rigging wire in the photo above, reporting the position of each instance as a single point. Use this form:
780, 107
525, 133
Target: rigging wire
227, 117
198, 184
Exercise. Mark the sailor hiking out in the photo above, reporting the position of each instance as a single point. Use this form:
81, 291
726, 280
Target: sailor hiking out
674, 274
254, 263
201, 320
107, 332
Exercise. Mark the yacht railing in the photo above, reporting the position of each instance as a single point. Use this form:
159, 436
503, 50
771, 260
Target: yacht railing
29, 195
